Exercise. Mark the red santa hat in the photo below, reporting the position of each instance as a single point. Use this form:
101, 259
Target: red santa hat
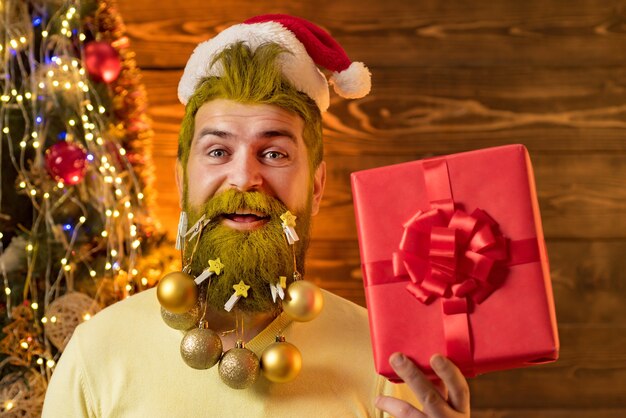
309, 46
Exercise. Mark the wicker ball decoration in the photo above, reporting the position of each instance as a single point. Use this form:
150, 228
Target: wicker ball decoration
21, 394
70, 310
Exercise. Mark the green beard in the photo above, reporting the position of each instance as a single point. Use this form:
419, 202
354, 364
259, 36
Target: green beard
257, 257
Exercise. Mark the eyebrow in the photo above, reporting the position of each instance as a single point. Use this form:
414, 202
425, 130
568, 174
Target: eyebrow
273, 133
213, 132
279, 133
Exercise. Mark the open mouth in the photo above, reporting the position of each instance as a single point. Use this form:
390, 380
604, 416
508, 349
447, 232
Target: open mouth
246, 216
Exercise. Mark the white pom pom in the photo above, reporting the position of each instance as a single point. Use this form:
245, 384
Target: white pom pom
352, 83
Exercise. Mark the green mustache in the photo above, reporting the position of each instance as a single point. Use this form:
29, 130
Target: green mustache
233, 200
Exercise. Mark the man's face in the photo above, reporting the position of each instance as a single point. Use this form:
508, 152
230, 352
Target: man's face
248, 148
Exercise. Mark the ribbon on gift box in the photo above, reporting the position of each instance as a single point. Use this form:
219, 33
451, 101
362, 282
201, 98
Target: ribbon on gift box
450, 255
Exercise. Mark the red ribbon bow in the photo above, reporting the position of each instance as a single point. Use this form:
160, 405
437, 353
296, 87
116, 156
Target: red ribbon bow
449, 253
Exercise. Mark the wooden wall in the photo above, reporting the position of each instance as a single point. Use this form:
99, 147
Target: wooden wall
451, 76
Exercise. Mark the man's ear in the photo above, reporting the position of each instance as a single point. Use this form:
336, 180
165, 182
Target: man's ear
180, 181
319, 182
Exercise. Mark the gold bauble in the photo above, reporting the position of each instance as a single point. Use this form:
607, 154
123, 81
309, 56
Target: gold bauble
304, 301
281, 361
183, 321
201, 348
239, 367
177, 292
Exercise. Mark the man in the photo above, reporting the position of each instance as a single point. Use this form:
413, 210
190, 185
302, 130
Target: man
250, 159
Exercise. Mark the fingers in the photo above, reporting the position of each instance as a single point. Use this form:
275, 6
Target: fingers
458, 389
427, 394
441, 388
397, 408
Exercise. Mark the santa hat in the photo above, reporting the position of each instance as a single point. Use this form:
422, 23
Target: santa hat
308, 45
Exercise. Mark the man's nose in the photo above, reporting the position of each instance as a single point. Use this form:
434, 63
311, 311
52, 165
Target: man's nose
245, 174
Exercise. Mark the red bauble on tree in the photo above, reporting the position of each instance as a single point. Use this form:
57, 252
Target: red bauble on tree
66, 162
102, 61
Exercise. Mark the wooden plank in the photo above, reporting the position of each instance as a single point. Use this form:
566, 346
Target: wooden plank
550, 413
589, 374
402, 32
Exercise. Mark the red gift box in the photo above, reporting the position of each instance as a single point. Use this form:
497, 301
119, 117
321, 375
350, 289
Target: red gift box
454, 262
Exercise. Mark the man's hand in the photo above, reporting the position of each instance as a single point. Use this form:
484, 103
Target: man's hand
450, 400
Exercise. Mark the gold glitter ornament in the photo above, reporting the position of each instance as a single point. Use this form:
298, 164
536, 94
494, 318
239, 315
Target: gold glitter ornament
281, 361
183, 321
201, 348
304, 301
239, 367
177, 292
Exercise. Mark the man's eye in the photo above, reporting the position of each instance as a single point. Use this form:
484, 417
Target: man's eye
274, 155
217, 153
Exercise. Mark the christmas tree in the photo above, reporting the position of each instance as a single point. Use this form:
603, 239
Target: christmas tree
76, 171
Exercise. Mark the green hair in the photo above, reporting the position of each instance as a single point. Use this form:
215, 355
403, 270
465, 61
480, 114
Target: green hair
254, 77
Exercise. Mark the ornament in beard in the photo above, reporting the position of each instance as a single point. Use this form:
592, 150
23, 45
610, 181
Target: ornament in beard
258, 257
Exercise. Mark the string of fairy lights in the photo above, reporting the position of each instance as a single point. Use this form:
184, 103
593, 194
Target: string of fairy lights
43, 80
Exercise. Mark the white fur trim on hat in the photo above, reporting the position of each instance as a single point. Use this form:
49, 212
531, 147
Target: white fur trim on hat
297, 66
352, 83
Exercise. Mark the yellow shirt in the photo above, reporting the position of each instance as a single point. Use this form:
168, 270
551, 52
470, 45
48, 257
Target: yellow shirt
125, 362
